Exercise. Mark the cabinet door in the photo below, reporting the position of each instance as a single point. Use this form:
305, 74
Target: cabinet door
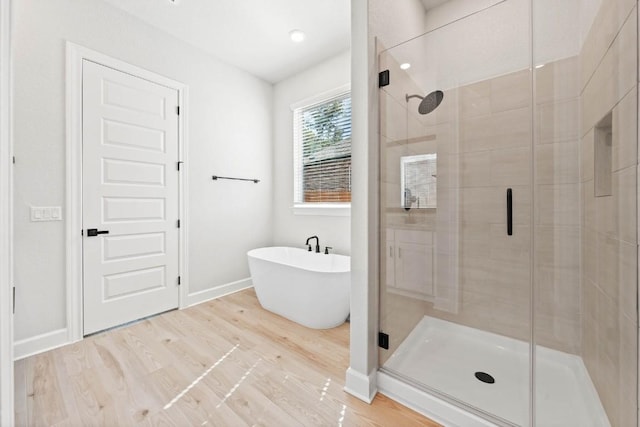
390, 259
414, 268
414, 262
390, 264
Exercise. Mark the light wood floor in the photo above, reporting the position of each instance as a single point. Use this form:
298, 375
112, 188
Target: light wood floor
227, 362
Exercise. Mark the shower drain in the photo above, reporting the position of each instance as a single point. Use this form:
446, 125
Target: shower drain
484, 377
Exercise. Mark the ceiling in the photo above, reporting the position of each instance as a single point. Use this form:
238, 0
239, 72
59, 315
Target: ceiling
253, 34
430, 4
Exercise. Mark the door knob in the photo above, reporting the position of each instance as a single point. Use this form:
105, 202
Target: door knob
92, 232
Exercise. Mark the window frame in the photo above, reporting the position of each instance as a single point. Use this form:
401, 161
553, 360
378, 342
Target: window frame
311, 208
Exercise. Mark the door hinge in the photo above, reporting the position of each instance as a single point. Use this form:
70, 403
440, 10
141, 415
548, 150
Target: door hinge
383, 340
178, 110
13, 159
179, 164
383, 78
179, 280
178, 223
14, 300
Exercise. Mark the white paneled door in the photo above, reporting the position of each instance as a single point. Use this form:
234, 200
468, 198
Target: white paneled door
130, 197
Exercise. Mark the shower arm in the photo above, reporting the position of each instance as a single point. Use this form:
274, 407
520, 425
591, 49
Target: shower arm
408, 97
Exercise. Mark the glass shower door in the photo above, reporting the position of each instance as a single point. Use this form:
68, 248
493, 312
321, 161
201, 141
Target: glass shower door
456, 212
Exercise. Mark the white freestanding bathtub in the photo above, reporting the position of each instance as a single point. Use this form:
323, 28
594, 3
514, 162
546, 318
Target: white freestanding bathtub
309, 288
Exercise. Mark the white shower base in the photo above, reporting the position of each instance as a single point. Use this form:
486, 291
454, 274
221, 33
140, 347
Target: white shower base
444, 356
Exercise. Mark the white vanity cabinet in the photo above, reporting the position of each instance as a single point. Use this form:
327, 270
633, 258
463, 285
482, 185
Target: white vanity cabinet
410, 263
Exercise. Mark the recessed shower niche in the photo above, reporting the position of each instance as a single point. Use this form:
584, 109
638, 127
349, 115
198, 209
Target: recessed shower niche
602, 156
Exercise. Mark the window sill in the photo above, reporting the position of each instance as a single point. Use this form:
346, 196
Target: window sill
320, 209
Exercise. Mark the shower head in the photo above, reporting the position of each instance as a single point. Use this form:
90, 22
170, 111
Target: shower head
429, 102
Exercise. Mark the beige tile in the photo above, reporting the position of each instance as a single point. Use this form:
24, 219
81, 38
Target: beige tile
605, 215
627, 274
475, 133
628, 369
613, 79
447, 112
509, 129
393, 118
608, 357
557, 333
625, 189
558, 121
588, 206
476, 207
589, 255
475, 169
590, 328
607, 266
515, 249
557, 246
609, 20
475, 100
557, 163
586, 156
558, 204
558, 292
625, 132
557, 81
511, 91
511, 166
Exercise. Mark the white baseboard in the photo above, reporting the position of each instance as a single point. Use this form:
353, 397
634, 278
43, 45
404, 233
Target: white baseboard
364, 387
218, 291
40, 343
430, 406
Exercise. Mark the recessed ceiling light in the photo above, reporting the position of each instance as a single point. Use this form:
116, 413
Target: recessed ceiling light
405, 66
296, 36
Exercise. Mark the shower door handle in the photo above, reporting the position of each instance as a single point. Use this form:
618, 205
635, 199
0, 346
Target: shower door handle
509, 212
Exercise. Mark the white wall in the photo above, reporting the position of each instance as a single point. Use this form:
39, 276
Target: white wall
229, 129
6, 318
290, 229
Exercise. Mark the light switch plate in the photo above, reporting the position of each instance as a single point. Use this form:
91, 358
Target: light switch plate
46, 213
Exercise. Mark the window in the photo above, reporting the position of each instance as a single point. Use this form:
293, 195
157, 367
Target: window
322, 151
418, 181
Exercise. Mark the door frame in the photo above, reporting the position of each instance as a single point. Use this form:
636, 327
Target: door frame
6, 220
76, 54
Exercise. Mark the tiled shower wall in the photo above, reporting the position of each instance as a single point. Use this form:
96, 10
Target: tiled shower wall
482, 134
608, 84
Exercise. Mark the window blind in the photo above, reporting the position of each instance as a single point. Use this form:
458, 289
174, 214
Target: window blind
322, 151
